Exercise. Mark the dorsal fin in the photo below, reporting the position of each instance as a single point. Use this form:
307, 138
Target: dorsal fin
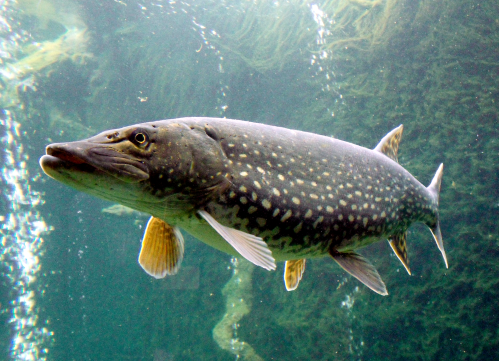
389, 145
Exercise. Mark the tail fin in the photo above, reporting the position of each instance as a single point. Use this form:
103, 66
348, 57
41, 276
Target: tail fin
434, 189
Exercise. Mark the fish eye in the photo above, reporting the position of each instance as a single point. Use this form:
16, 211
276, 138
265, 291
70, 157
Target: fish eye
140, 137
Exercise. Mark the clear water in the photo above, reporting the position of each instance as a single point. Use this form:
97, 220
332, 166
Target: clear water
71, 288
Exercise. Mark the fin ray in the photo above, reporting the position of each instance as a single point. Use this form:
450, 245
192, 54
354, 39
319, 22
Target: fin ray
162, 249
293, 273
399, 245
251, 247
389, 145
362, 269
434, 189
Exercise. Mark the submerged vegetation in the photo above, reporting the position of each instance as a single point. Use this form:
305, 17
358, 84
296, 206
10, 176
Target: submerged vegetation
353, 69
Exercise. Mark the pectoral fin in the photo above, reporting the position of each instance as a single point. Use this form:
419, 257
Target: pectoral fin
399, 246
251, 247
362, 269
293, 272
162, 249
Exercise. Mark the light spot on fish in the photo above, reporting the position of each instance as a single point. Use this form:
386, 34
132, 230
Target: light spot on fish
351, 218
244, 174
257, 185
252, 209
297, 229
308, 214
295, 200
260, 170
276, 191
319, 220
354, 207
266, 204
375, 217
364, 221
276, 212
261, 221
281, 177
254, 196
286, 215
314, 196
243, 200
330, 209
299, 181
342, 202
242, 155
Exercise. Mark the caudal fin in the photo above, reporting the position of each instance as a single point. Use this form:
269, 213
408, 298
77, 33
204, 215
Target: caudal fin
434, 189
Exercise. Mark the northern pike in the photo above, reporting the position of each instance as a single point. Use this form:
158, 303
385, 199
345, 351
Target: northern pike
257, 191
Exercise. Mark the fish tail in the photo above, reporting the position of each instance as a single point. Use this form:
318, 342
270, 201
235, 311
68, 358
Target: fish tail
434, 189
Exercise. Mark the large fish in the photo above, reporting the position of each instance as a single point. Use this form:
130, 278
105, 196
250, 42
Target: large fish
262, 192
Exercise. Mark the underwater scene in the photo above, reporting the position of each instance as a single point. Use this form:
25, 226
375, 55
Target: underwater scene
72, 286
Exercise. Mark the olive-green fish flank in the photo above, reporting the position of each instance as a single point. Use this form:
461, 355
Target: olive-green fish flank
304, 194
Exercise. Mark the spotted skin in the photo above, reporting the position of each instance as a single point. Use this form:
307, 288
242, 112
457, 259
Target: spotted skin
304, 194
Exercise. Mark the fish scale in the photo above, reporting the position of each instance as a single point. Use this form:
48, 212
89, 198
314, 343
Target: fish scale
262, 192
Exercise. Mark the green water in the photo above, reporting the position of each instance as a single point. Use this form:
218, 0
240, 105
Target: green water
352, 70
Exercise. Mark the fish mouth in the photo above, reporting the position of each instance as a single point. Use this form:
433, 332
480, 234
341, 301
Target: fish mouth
65, 159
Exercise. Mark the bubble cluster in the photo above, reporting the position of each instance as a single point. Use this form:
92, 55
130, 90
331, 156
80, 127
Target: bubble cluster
21, 228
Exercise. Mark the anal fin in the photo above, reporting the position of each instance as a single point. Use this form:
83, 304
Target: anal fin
162, 249
360, 268
251, 247
399, 246
293, 272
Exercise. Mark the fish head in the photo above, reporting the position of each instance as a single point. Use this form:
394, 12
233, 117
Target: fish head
151, 167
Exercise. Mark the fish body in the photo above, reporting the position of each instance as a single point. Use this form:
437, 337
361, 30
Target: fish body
264, 192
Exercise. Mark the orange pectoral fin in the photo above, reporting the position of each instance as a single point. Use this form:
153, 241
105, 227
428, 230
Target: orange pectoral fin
162, 249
